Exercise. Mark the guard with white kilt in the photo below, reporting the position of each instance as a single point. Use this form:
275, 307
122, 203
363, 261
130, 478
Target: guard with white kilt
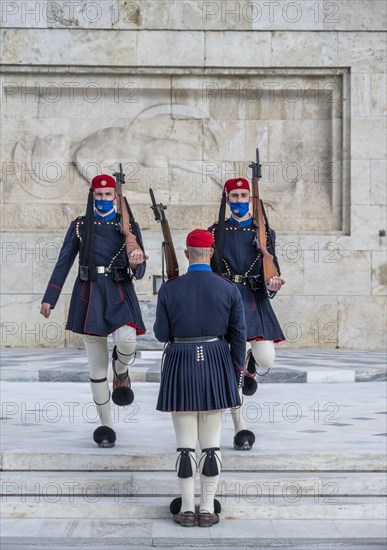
103, 300
237, 259
200, 316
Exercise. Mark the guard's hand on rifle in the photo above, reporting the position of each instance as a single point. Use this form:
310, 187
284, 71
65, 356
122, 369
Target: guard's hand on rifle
136, 258
274, 284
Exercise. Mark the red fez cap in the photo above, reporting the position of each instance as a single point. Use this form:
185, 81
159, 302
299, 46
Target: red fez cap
104, 180
200, 238
236, 183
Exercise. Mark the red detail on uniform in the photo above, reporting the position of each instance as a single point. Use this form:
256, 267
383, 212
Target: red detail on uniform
260, 338
103, 181
196, 411
200, 238
55, 286
83, 290
254, 303
139, 331
236, 183
121, 293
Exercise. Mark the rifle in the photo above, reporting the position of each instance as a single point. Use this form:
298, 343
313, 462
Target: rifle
167, 248
268, 262
125, 215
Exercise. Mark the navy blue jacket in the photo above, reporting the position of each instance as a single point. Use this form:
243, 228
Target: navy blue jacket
201, 303
101, 306
240, 257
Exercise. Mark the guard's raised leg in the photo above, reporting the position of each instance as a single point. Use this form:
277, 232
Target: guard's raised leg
124, 353
262, 357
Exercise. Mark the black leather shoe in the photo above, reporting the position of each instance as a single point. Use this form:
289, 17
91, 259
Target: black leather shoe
250, 385
205, 519
185, 519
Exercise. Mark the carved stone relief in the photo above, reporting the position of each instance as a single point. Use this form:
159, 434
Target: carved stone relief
184, 136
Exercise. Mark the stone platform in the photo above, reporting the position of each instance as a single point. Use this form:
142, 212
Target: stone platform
314, 480
292, 366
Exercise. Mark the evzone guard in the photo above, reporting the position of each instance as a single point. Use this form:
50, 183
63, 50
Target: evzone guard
239, 258
103, 300
200, 315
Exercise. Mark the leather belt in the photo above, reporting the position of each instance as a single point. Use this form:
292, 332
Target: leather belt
252, 281
239, 279
101, 270
242, 279
197, 339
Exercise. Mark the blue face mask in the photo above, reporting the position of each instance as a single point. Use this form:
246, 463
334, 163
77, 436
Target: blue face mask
103, 206
239, 209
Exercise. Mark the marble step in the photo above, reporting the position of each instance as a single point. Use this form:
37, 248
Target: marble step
122, 533
137, 507
112, 460
281, 374
245, 485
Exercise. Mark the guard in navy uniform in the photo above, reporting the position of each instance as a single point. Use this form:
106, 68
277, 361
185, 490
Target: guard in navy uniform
103, 300
242, 264
201, 316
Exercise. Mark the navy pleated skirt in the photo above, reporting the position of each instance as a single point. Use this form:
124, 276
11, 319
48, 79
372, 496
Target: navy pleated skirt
197, 377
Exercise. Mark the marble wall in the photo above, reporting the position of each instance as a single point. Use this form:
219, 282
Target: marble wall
182, 92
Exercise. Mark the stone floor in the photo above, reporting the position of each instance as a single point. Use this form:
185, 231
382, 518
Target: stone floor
326, 434
289, 420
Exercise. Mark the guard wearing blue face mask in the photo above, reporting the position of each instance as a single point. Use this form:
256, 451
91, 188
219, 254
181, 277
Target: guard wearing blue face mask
241, 263
104, 209
103, 300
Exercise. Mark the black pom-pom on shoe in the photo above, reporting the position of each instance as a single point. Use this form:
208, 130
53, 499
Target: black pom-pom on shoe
104, 437
217, 506
122, 396
175, 506
250, 386
244, 440
122, 388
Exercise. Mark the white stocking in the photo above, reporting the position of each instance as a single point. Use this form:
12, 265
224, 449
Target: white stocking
264, 354
186, 431
210, 427
124, 339
237, 416
97, 354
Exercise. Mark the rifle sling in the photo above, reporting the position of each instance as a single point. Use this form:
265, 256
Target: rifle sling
270, 239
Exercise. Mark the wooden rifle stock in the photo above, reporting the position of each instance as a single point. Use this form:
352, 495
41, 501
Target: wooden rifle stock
168, 248
124, 214
269, 268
